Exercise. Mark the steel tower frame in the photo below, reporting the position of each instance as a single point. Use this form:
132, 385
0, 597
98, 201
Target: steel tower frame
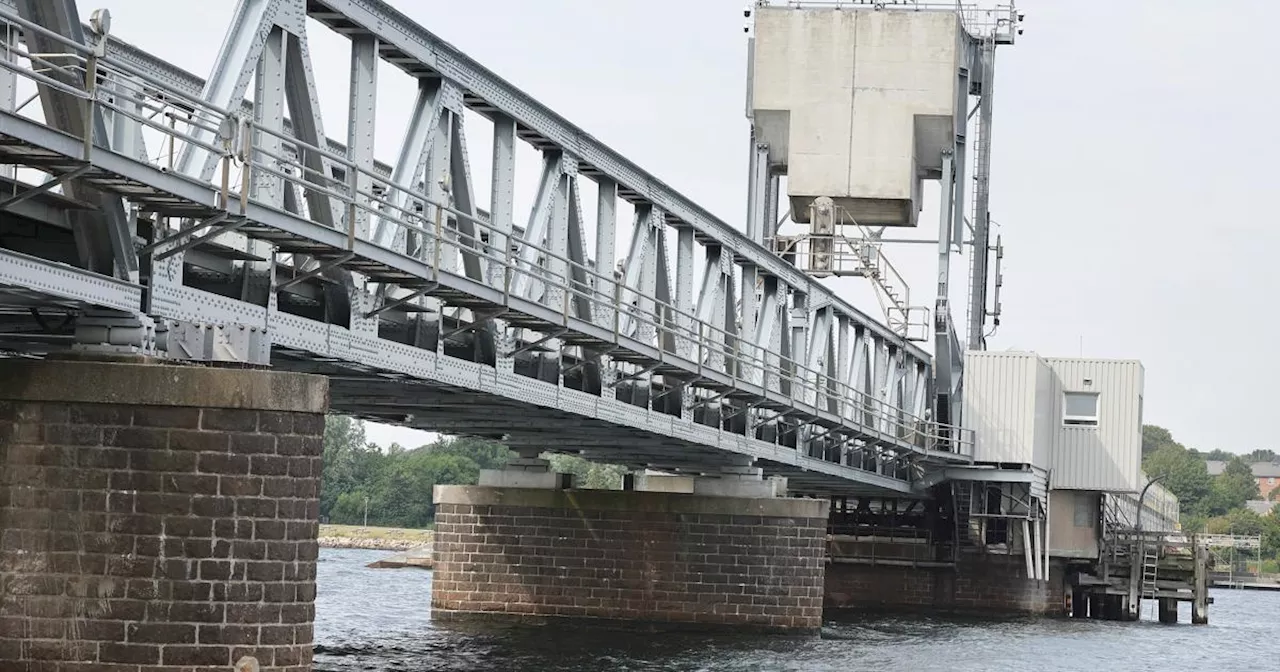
985, 29
259, 196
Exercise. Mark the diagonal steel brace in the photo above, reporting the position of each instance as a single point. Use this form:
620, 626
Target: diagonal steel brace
557, 334
588, 360
336, 262
216, 219
44, 187
400, 301
635, 376
226, 227
479, 321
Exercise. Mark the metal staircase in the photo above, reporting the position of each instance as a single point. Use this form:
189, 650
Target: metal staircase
890, 288
837, 245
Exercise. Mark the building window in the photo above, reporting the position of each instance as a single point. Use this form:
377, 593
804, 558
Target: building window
1080, 409
1271, 481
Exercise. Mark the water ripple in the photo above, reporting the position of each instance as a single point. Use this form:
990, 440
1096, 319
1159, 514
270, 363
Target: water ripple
380, 621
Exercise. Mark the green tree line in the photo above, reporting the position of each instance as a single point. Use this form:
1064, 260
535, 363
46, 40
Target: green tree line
1214, 504
393, 485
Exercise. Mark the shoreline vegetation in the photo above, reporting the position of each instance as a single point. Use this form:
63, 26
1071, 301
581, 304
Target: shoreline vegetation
391, 486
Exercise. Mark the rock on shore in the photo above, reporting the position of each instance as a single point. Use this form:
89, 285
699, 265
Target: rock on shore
369, 544
419, 557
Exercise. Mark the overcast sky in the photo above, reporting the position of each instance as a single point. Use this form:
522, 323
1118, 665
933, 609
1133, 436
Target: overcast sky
1133, 151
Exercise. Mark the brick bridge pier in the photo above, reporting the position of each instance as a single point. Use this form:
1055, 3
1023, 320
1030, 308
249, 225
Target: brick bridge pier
164, 517
157, 517
641, 557
691, 552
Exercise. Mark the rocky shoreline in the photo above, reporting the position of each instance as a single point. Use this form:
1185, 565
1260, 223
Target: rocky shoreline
369, 544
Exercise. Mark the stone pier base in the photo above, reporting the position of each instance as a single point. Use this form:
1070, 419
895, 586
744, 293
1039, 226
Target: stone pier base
635, 557
989, 584
157, 517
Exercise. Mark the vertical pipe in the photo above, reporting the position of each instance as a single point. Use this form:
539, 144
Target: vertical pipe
1038, 526
1048, 527
1028, 549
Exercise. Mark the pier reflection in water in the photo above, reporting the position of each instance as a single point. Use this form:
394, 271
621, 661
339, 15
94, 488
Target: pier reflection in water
379, 620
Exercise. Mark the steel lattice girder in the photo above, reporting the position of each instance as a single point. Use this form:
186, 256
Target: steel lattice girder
417, 51
794, 310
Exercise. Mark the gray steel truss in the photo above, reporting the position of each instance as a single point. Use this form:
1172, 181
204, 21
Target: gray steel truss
259, 239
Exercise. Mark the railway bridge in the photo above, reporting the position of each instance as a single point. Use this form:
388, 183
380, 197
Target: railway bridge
192, 272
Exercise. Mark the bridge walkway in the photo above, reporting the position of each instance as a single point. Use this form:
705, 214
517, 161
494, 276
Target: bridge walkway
733, 396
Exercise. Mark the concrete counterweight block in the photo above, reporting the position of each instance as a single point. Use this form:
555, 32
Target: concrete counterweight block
857, 104
155, 516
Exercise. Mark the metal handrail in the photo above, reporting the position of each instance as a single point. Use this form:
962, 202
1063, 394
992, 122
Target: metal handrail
746, 364
978, 20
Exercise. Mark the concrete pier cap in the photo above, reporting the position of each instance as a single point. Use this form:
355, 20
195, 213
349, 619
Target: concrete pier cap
157, 516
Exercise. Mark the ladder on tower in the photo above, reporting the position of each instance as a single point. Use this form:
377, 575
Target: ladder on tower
962, 504
981, 178
1150, 565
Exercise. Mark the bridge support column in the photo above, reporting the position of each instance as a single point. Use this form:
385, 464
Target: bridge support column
525, 472
652, 557
740, 482
156, 516
730, 481
1168, 610
1097, 605
986, 584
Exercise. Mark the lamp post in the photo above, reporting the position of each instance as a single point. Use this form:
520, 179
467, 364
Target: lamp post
1137, 525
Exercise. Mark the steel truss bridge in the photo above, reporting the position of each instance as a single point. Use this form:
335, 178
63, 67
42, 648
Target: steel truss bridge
147, 210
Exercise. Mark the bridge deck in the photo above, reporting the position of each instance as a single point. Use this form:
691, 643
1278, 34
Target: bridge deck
540, 292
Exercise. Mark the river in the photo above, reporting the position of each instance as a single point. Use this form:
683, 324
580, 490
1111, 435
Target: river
379, 620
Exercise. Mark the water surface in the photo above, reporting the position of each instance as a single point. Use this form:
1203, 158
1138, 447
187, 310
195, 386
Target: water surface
379, 620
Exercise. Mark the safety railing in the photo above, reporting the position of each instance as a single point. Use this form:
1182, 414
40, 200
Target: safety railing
978, 20
1159, 510
255, 159
860, 255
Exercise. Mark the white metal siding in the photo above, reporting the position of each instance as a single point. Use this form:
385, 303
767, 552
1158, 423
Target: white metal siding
1106, 457
1000, 405
1042, 449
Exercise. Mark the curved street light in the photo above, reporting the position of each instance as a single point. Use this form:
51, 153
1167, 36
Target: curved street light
1137, 525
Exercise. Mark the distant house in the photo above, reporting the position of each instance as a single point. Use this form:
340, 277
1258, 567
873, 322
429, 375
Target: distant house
1260, 507
1266, 473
